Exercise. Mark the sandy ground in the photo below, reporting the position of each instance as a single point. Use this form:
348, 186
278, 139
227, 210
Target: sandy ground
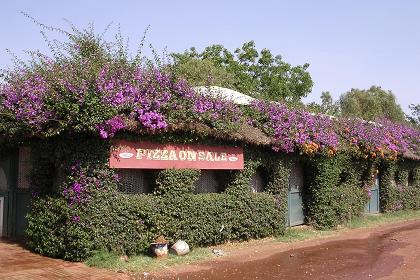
386, 252
17, 263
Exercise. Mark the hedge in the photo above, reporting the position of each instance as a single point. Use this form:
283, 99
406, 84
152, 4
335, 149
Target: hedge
88, 213
127, 224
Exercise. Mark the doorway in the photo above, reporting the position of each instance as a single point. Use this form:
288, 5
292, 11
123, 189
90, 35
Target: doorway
295, 211
372, 206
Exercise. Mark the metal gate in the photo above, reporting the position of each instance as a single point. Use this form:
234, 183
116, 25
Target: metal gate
295, 201
372, 206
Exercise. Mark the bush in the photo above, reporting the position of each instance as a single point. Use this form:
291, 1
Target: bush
127, 224
176, 181
400, 186
47, 226
87, 213
216, 218
334, 192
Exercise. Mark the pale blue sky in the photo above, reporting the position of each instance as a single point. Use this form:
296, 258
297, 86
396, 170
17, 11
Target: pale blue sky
349, 44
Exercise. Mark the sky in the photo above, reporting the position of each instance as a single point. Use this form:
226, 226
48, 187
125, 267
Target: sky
348, 44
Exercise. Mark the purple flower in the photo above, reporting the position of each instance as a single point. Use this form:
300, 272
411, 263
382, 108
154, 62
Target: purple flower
103, 133
75, 219
77, 188
152, 120
110, 127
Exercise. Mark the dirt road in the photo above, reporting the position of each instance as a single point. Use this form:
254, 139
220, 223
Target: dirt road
387, 252
17, 263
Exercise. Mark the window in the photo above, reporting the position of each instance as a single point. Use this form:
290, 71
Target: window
210, 181
259, 180
25, 168
59, 178
296, 179
134, 181
3, 178
411, 178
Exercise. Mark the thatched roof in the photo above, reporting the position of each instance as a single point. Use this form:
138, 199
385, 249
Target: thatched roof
245, 133
410, 155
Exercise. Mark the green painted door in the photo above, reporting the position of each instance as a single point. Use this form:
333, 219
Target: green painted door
372, 206
21, 192
3, 195
295, 202
14, 193
7, 184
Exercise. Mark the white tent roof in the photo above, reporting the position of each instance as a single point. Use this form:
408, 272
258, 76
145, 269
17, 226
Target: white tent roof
229, 94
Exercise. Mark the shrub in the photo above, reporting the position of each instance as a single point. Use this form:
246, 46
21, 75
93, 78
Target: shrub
47, 226
334, 192
400, 185
127, 224
216, 218
88, 214
176, 181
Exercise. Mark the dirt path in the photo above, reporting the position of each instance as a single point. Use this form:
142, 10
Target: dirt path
390, 252
18, 263
387, 252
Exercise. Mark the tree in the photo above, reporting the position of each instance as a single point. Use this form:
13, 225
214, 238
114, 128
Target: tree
414, 118
259, 74
201, 72
371, 104
327, 106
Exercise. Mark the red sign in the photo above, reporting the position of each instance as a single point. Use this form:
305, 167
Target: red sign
147, 155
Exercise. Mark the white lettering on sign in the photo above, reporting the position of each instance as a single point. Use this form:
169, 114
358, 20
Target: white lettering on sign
182, 155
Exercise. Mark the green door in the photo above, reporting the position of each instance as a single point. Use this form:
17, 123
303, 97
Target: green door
3, 195
372, 206
14, 193
21, 192
7, 184
295, 202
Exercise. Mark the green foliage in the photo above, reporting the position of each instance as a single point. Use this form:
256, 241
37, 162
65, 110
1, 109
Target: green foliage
87, 198
371, 104
206, 219
143, 262
109, 222
327, 106
389, 217
92, 87
73, 226
240, 182
400, 186
176, 181
277, 168
127, 224
89, 214
47, 226
260, 74
414, 118
201, 72
334, 190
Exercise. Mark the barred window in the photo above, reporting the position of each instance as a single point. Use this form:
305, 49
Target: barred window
210, 181
134, 181
59, 177
259, 180
24, 168
3, 178
296, 179
411, 178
